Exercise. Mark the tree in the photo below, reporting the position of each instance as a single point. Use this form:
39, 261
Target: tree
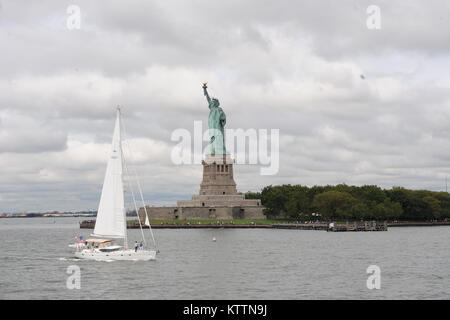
334, 204
352, 202
359, 210
433, 205
370, 195
252, 195
414, 208
387, 210
274, 199
444, 203
298, 205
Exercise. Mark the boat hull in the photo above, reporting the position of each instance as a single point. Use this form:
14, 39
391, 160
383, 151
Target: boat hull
140, 255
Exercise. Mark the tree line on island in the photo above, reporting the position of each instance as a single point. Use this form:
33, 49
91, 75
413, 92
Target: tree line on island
343, 202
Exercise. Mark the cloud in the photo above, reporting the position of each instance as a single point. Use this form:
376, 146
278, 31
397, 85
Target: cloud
22, 134
293, 66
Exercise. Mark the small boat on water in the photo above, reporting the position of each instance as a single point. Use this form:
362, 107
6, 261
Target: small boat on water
111, 224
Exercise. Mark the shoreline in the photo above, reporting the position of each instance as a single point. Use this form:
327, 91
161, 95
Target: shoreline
89, 224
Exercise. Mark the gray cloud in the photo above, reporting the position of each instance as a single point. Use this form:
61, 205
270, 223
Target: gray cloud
294, 66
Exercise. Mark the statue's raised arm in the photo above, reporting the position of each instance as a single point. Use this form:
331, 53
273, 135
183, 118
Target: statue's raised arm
205, 92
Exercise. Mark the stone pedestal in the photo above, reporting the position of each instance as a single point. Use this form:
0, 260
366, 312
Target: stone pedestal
217, 199
218, 176
212, 201
218, 188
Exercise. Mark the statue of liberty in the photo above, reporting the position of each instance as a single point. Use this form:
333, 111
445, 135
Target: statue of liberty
216, 121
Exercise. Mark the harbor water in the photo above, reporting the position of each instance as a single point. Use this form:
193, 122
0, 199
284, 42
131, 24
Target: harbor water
241, 264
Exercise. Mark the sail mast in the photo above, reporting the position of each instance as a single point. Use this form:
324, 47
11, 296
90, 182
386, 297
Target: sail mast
125, 240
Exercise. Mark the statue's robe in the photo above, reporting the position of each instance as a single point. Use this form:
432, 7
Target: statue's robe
216, 121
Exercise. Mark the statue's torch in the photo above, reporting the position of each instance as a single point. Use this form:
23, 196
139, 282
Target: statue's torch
204, 89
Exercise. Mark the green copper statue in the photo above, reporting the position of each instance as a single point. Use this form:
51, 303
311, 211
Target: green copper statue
216, 121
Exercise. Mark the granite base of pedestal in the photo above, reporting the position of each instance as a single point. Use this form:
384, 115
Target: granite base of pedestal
202, 213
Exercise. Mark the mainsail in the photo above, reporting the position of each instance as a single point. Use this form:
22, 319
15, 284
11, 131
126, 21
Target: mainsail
111, 210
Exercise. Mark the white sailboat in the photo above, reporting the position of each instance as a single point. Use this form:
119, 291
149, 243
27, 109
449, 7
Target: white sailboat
111, 222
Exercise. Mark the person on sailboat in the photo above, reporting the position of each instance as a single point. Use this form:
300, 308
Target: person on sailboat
135, 246
141, 246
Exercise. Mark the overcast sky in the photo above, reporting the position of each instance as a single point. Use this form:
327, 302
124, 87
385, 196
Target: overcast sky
353, 105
